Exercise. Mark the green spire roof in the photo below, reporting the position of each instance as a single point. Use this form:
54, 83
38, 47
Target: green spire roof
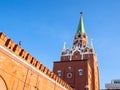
81, 28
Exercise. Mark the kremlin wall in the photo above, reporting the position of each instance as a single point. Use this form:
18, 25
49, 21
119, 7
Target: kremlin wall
21, 71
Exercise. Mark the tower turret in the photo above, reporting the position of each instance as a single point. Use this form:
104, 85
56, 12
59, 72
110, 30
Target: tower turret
78, 65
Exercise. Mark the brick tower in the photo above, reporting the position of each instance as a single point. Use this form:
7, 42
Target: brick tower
78, 65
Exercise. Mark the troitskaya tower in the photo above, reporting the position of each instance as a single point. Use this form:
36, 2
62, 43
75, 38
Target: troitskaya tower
78, 65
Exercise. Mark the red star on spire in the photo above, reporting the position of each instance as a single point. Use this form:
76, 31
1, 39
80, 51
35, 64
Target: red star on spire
81, 13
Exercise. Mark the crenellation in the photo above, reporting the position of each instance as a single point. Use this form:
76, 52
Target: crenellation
2, 35
8, 43
12, 45
42, 68
48, 73
68, 87
26, 56
65, 85
51, 74
23, 54
34, 62
45, 70
38, 65
62, 83
54, 76
3, 38
29, 58
57, 79
18, 51
15, 48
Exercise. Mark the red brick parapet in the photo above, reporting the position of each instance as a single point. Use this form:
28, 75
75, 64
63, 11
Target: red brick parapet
18, 51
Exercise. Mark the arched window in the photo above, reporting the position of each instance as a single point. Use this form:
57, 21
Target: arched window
59, 73
3, 85
80, 72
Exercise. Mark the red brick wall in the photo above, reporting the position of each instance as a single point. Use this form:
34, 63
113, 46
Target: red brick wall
77, 82
20, 71
89, 66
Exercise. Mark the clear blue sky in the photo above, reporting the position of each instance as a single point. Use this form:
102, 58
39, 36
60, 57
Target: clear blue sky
44, 25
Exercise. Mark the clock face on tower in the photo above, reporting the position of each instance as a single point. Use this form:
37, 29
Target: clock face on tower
69, 75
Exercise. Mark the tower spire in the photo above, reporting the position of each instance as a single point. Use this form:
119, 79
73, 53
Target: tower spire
64, 46
81, 28
80, 37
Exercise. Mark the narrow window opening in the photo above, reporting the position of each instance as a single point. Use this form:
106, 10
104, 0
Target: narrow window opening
80, 72
59, 73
